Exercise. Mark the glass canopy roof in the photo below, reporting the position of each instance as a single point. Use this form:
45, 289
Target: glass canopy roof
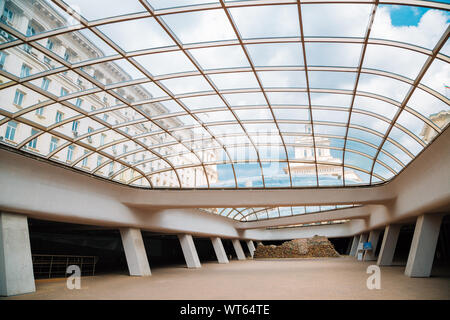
225, 94
257, 214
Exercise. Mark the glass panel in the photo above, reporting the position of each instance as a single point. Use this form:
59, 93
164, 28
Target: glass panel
291, 114
209, 101
331, 100
343, 54
342, 20
279, 54
331, 80
124, 34
201, 26
330, 175
355, 177
278, 79
245, 99
264, 21
239, 80
225, 176
369, 122
357, 160
220, 57
187, 85
248, 175
165, 63
288, 98
330, 115
254, 114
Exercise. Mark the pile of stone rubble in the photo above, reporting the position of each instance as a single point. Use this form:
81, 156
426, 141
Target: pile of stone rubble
316, 246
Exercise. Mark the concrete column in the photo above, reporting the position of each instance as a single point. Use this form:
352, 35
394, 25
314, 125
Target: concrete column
388, 245
238, 248
354, 245
423, 245
16, 264
134, 248
362, 239
219, 250
189, 251
251, 247
373, 238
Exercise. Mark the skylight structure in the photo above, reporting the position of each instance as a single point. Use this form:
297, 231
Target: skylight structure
225, 94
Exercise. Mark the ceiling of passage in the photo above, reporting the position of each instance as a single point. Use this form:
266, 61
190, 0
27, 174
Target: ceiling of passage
225, 94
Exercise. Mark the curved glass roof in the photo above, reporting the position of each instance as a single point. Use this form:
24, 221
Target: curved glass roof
257, 214
225, 94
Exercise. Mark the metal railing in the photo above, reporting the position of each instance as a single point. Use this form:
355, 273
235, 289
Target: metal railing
52, 266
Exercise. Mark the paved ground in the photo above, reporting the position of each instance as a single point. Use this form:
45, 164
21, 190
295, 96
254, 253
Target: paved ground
326, 278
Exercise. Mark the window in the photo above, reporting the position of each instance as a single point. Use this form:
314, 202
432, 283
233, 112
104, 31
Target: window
53, 144
124, 149
102, 139
40, 111
64, 92
11, 130
85, 159
93, 108
67, 56
111, 168
30, 32
8, 15
2, 59
89, 131
79, 102
75, 126
59, 116
45, 83
32, 143
70, 153
49, 45
105, 117
99, 160
25, 71
47, 60
18, 98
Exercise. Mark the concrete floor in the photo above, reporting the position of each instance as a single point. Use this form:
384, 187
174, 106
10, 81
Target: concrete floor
326, 278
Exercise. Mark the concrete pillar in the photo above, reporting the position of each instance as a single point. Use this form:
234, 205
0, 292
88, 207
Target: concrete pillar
359, 252
134, 248
189, 251
251, 247
219, 250
354, 245
423, 245
238, 248
388, 245
16, 264
373, 239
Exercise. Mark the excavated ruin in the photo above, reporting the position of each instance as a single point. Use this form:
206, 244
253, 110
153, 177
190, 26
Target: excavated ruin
314, 247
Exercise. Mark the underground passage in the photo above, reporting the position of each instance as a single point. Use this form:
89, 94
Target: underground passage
246, 150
